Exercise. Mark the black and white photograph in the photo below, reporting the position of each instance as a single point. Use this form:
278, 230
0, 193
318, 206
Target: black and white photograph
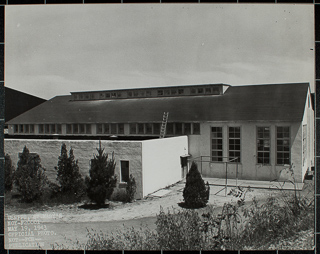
159, 127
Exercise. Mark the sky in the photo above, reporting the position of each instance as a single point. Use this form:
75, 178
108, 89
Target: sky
53, 50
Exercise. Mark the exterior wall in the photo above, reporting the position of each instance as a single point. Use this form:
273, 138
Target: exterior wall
161, 162
248, 168
308, 123
49, 151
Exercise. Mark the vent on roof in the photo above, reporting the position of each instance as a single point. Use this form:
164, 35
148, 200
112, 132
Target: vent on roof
177, 91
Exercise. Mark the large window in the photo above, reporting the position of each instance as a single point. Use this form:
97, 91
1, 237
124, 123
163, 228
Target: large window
133, 128
106, 129
88, 128
283, 145
263, 145
234, 144
196, 128
120, 128
216, 144
99, 128
124, 171
113, 128
69, 128
40, 128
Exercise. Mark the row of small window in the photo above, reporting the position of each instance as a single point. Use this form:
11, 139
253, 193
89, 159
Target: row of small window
171, 129
148, 93
263, 145
110, 128
23, 128
43, 128
78, 128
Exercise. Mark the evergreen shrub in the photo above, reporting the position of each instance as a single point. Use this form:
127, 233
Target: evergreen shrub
196, 192
131, 189
68, 174
30, 176
9, 172
101, 180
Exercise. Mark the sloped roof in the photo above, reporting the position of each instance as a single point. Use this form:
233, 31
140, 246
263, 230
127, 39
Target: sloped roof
284, 102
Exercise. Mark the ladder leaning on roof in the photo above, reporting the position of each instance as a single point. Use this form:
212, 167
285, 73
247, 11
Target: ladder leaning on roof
164, 124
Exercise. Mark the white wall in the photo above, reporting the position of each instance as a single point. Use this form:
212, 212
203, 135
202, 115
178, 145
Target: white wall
308, 120
161, 162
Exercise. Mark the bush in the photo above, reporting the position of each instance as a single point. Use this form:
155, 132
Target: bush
196, 192
102, 181
30, 176
131, 189
9, 172
68, 174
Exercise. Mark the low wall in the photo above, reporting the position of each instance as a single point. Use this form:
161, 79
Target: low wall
161, 162
49, 151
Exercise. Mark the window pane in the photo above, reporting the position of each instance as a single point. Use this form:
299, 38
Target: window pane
75, 128
169, 128
181, 91
26, 128
113, 128
133, 128
156, 128
216, 143
140, 128
187, 128
283, 145
31, 128
263, 145
81, 127
120, 128
59, 128
124, 171
99, 128
196, 128
148, 128
106, 128
88, 128
178, 129
69, 128
234, 144
47, 128
53, 128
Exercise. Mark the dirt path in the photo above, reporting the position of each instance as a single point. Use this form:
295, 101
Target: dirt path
71, 222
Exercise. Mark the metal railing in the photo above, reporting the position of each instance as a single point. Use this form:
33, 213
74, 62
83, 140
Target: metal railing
225, 160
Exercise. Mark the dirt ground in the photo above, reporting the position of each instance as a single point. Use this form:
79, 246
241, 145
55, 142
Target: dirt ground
58, 223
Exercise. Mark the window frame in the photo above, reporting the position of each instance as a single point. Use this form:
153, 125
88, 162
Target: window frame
263, 151
234, 144
121, 168
289, 144
219, 158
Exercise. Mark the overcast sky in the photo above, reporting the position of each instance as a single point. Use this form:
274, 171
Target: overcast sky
56, 49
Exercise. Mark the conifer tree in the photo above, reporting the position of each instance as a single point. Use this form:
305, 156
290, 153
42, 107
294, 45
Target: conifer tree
30, 176
68, 174
9, 172
196, 192
101, 180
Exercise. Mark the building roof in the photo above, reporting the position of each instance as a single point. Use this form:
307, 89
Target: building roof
275, 102
17, 102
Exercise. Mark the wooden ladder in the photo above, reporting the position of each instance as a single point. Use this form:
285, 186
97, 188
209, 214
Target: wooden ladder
164, 124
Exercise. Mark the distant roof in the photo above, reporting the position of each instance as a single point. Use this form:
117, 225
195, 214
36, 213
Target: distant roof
274, 102
17, 102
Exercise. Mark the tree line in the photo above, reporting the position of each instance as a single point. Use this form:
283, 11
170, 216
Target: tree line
30, 180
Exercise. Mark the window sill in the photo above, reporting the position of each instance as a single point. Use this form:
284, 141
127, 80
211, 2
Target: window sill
122, 185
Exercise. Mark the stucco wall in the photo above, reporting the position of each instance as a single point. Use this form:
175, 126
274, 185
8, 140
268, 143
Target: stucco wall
161, 162
49, 151
248, 168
